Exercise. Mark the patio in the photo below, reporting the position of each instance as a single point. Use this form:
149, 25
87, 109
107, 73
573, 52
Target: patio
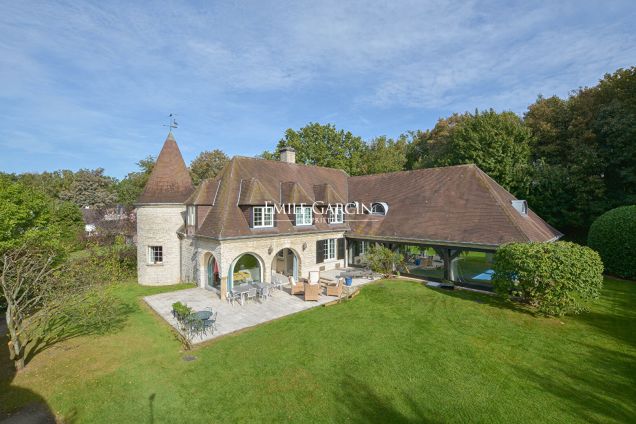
232, 318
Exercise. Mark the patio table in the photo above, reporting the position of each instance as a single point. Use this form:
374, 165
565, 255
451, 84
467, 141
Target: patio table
203, 315
241, 290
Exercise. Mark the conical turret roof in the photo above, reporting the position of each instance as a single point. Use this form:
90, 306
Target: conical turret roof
169, 181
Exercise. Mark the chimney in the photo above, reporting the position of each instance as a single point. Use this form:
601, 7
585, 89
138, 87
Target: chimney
288, 154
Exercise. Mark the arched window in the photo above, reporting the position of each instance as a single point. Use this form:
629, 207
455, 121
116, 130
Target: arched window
247, 269
379, 208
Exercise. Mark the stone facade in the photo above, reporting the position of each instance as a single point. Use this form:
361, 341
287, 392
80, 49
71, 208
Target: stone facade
157, 225
227, 251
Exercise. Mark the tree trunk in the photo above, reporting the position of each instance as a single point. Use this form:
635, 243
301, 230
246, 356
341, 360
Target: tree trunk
16, 351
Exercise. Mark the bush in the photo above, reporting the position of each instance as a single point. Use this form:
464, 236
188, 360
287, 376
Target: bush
103, 265
613, 236
554, 278
384, 261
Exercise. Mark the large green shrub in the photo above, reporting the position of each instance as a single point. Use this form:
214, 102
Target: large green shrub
384, 261
554, 278
613, 236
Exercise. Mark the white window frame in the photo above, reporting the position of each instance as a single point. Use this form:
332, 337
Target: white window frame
304, 215
331, 247
364, 247
153, 253
375, 209
192, 215
336, 215
264, 212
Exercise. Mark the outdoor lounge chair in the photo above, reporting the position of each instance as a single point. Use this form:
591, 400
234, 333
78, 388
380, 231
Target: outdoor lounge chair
296, 287
335, 288
312, 291
251, 293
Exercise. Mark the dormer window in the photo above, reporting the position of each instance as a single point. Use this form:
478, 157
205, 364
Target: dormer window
191, 216
304, 215
336, 214
379, 208
521, 206
263, 217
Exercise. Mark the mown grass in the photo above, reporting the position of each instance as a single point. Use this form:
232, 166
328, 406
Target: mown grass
399, 352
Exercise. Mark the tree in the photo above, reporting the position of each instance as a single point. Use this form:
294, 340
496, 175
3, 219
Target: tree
91, 188
129, 189
384, 155
207, 165
45, 301
27, 214
498, 143
613, 236
554, 278
588, 141
324, 145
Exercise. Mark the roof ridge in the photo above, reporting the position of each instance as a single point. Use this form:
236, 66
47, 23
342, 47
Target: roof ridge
483, 177
290, 164
406, 171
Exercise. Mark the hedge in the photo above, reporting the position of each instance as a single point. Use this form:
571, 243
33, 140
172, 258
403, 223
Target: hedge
553, 278
613, 236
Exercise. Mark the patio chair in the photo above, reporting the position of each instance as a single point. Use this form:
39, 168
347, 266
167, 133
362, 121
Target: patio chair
312, 291
210, 323
251, 293
296, 287
335, 289
314, 277
232, 297
264, 292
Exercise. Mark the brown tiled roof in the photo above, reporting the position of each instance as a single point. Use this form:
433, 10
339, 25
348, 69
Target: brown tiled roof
252, 192
456, 204
205, 193
292, 192
228, 218
170, 180
325, 193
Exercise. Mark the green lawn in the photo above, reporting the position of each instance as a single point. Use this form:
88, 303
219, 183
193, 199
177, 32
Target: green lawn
399, 352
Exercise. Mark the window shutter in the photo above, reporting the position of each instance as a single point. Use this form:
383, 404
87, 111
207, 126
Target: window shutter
320, 251
341, 248
251, 211
295, 217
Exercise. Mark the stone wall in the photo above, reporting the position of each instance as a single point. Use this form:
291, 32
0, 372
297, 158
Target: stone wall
227, 251
157, 225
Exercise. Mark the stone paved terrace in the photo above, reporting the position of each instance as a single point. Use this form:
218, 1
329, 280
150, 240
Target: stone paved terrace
232, 318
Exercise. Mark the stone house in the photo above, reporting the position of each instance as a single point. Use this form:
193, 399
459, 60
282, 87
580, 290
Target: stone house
259, 217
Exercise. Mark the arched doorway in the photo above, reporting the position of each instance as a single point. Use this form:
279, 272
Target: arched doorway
213, 274
246, 268
285, 262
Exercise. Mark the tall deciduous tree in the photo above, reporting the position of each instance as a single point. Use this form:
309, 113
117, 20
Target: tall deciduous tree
129, 189
27, 214
207, 165
324, 145
496, 142
385, 155
584, 151
91, 188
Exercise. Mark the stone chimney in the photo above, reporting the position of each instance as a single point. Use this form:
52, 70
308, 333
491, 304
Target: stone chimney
288, 154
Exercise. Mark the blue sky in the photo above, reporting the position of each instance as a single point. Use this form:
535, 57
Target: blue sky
88, 85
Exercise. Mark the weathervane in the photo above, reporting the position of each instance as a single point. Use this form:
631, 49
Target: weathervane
173, 122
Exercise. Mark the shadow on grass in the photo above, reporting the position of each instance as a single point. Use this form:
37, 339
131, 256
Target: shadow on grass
34, 407
614, 315
486, 299
605, 393
360, 404
111, 317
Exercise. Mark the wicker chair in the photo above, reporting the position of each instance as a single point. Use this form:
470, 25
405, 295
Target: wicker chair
312, 291
335, 289
296, 287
